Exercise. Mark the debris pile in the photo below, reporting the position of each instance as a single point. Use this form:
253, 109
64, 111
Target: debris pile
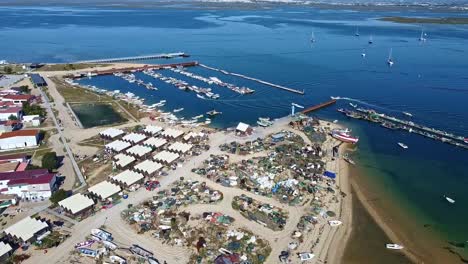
264, 214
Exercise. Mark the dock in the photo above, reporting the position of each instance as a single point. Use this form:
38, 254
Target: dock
253, 79
134, 69
319, 106
394, 123
138, 58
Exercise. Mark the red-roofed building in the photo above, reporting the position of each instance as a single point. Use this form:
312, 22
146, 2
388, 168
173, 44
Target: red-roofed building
19, 139
18, 99
6, 112
30, 184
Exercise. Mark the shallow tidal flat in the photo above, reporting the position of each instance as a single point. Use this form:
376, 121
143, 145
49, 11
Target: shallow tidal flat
427, 20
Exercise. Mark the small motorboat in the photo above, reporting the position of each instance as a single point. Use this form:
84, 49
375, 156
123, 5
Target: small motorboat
450, 200
200, 96
402, 145
408, 114
334, 223
178, 110
213, 113
304, 256
353, 105
394, 246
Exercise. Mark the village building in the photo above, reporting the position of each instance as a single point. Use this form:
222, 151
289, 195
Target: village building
77, 204
243, 129
112, 133
152, 130
117, 146
166, 157
27, 230
32, 120
17, 99
171, 133
19, 139
37, 80
104, 190
179, 147
155, 143
5, 251
128, 178
123, 161
139, 151
6, 113
148, 167
134, 138
29, 184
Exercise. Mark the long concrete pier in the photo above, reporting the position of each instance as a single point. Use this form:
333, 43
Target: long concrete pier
253, 79
137, 58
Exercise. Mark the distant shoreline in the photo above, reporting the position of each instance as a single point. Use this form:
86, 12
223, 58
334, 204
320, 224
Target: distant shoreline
236, 4
427, 20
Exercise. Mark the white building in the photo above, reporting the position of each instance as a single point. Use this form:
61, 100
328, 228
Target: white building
28, 229
5, 113
76, 203
19, 139
30, 184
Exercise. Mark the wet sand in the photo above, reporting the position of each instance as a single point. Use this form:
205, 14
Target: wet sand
367, 240
373, 211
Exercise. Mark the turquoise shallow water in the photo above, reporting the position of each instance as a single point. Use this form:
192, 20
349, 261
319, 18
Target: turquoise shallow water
428, 79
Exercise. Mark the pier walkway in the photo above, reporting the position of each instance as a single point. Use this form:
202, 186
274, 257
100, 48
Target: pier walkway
253, 79
137, 58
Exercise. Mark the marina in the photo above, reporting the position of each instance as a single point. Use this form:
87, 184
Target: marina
254, 79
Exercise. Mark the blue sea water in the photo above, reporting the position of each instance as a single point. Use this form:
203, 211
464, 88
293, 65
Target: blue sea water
428, 79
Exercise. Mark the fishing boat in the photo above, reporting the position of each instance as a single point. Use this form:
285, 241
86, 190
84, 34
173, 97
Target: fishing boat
345, 137
394, 246
200, 96
304, 256
353, 105
450, 200
408, 114
370, 40
390, 60
213, 113
264, 123
334, 223
117, 259
88, 252
178, 110
402, 145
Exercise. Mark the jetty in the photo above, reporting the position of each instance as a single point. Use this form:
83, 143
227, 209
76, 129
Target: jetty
394, 123
138, 58
253, 79
319, 106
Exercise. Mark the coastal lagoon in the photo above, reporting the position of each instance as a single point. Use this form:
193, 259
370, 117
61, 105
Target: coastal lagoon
428, 79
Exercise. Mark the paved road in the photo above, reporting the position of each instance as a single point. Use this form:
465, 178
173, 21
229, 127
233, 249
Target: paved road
63, 139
